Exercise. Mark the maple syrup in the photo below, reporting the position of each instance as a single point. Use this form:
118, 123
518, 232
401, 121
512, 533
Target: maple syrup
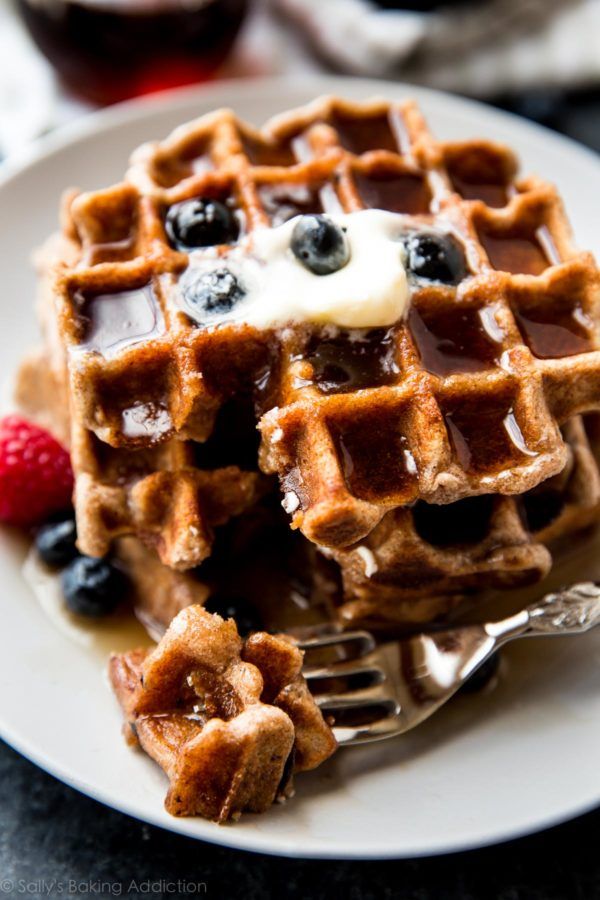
455, 340
492, 194
108, 50
113, 322
398, 192
487, 437
364, 133
481, 174
350, 362
375, 455
263, 153
282, 202
518, 253
555, 330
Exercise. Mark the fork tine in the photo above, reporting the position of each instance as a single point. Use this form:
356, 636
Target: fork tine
346, 735
364, 642
349, 669
349, 711
355, 699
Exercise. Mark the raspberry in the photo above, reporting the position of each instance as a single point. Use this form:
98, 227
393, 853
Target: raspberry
36, 478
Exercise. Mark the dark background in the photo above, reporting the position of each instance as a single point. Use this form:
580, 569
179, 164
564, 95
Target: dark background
48, 832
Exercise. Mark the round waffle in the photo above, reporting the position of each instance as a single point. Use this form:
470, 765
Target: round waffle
464, 397
427, 552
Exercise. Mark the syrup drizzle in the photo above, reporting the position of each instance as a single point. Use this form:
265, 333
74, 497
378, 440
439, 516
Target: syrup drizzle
492, 194
480, 173
262, 153
113, 322
282, 202
517, 253
399, 192
488, 438
349, 362
359, 135
456, 340
374, 454
520, 252
556, 330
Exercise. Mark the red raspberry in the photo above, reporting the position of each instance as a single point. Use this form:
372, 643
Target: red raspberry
36, 478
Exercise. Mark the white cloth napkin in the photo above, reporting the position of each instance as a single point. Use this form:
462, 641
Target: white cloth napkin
477, 48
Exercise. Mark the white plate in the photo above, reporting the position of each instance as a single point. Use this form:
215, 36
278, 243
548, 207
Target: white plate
483, 770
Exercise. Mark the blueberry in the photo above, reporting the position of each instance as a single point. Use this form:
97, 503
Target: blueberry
247, 617
320, 244
200, 223
213, 292
92, 587
437, 257
482, 676
55, 542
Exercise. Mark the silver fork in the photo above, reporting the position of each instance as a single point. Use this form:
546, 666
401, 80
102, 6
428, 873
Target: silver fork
373, 692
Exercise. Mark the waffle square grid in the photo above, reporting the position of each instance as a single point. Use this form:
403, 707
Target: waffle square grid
463, 398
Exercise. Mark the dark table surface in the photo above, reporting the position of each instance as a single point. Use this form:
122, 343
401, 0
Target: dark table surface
56, 842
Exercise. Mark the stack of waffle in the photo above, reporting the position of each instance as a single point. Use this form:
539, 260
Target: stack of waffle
424, 460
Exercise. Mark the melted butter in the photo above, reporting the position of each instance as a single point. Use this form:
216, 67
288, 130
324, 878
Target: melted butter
370, 291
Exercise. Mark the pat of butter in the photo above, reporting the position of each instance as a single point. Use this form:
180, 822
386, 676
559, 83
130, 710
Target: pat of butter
370, 291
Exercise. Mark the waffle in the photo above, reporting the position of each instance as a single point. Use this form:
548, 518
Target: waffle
463, 398
158, 494
170, 494
228, 721
422, 561
404, 573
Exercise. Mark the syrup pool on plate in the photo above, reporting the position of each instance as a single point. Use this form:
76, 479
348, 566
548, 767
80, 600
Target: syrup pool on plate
109, 50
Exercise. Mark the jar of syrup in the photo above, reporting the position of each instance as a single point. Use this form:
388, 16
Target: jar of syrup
109, 50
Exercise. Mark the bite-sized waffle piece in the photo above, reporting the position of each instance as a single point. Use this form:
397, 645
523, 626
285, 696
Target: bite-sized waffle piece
426, 551
464, 397
228, 720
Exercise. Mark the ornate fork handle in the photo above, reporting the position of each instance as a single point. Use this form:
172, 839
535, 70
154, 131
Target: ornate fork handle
572, 610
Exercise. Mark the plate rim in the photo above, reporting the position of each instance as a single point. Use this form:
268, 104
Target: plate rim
236, 839
140, 109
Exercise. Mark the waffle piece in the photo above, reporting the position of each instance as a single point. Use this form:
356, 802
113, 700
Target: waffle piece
158, 494
43, 396
463, 398
227, 720
427, 551
271, 577
158, 593
172, 495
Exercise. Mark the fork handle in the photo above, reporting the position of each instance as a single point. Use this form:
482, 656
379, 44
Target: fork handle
573, 610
